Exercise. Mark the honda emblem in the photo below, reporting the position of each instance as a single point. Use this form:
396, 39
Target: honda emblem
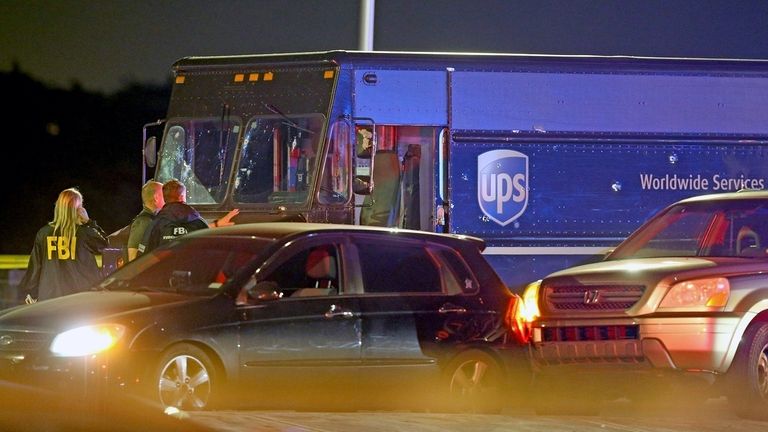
591, 296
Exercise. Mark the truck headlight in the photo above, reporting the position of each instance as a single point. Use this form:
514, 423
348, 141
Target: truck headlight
698, 293
86, 340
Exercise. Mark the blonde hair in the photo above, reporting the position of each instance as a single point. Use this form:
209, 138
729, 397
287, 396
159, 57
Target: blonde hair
65, 215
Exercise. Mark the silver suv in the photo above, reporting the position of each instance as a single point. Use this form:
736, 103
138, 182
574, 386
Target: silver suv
685, 296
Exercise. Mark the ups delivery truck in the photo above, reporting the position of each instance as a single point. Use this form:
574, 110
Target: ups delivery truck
553, 160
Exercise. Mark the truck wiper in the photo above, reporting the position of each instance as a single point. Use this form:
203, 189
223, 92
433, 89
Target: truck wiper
274, 110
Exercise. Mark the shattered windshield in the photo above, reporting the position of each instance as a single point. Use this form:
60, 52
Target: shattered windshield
278, 159
199, 153
704, 229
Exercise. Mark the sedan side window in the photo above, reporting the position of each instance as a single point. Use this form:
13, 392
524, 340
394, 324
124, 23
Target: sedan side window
307, 273
459, 278
399, 268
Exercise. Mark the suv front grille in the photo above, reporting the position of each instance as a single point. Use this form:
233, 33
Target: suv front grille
593, 297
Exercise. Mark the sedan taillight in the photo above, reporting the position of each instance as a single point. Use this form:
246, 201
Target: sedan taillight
515, 320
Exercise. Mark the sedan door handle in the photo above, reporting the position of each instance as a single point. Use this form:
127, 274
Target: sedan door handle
451, 308
335, 311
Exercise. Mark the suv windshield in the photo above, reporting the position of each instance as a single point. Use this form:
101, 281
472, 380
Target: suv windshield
724, 228
194, 266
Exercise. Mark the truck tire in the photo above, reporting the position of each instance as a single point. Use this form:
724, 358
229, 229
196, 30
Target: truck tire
748, 392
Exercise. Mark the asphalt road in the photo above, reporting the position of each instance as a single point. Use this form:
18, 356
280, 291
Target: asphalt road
713, 415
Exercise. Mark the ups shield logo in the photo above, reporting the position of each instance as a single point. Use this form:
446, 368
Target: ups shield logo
502, 185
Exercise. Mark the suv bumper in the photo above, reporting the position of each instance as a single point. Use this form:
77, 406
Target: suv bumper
690, 344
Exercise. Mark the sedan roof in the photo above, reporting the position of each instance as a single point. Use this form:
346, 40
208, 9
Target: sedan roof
279, 230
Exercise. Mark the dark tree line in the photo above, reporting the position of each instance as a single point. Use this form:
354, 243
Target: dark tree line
56, 138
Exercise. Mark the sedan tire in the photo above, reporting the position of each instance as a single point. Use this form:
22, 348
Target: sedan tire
186, 378
474, 380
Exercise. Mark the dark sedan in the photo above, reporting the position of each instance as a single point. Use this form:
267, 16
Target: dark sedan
282, 314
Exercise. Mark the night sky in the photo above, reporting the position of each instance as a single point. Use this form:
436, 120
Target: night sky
86, 66
105, 44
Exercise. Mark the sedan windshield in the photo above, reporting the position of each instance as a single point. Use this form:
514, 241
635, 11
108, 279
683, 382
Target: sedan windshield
198, 266
704, 229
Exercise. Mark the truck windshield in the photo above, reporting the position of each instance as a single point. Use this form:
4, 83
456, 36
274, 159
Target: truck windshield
247, 133
724, 228
199, 153
278, 159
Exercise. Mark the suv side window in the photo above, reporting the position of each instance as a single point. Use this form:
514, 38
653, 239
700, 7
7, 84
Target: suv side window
309, 272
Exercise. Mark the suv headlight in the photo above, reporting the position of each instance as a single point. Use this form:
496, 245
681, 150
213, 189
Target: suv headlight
702, 294
86, 340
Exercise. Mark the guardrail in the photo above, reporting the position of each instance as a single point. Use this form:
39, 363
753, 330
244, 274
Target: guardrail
13, 262
12, 269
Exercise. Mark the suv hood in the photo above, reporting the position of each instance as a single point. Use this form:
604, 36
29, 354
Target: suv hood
652, 270
634, 269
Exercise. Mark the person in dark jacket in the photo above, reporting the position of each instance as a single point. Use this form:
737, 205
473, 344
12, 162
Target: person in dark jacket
152, 201
177, 218
63, 258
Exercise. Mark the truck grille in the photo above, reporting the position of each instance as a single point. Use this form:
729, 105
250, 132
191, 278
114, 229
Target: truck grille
593, 297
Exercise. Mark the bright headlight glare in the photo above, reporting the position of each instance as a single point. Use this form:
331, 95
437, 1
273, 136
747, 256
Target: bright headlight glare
706, 293
86, 340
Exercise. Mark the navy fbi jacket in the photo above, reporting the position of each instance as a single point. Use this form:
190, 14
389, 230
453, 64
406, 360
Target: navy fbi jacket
173, 220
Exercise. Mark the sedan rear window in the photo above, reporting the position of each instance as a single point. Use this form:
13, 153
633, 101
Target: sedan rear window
389, 268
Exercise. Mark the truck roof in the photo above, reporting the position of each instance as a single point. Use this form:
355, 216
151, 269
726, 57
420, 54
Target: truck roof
444, 59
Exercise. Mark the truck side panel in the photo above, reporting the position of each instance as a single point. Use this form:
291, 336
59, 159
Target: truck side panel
553, 168
591, 191
610, 102
401, 97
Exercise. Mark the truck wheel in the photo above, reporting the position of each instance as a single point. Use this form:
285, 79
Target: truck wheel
186, 378
474, 380
749, 393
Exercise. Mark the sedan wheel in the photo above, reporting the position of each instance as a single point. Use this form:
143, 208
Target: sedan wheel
185, 378
474, 383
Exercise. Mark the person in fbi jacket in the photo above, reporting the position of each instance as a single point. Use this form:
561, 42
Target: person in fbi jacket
63, 258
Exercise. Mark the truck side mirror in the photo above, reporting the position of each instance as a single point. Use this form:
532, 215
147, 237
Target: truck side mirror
150, 152
365, 150
365, 143
152, 133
